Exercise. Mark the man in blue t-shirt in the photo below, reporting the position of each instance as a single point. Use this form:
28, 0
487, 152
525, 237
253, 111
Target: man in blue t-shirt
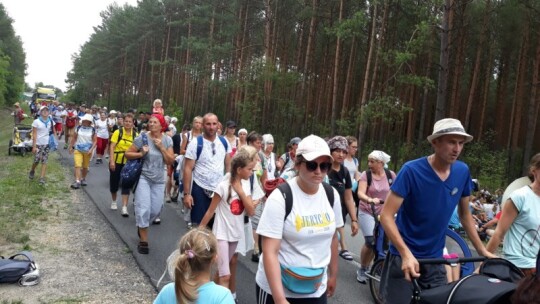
424, 196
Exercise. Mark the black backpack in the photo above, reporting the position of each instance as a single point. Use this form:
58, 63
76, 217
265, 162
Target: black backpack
388, 176
286, 191
14, 268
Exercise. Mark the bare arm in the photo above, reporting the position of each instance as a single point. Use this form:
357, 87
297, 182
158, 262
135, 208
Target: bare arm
184, 144
509, 214
333, 267
189, 164
133, 152
351, 208
246, 199
409, 264
227, 162
211, 210
468, 225
272, 268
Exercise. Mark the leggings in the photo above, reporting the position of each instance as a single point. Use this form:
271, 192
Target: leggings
114, 180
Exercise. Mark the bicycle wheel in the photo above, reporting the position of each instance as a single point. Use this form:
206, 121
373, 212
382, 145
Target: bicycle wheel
374, 277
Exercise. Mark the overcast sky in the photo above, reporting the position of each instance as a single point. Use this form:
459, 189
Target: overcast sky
52, 31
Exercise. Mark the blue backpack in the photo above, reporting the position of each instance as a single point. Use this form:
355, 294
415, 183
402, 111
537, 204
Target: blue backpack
200, 143
131, 172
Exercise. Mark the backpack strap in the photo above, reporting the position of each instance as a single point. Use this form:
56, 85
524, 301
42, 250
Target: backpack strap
389, 177
286, 191
251, 182
200, 143
224, 142
199, 146
369, 178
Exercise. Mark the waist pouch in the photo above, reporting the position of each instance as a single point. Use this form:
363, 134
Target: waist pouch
301, 280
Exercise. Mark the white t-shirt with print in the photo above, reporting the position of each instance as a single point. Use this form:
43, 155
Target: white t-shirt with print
210, 167
43, 129
102, 129
229, 217
306, 234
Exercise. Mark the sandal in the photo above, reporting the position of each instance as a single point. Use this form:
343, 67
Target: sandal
346, 255
142, 248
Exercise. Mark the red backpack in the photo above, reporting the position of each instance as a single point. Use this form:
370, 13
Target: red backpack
71, 119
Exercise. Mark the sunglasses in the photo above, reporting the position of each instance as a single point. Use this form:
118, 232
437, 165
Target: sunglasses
213, 145
312, 166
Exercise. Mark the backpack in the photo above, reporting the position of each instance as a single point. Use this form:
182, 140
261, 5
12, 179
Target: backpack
388, 176
121, 137
131, 172
24, 271
286, 191
200, 143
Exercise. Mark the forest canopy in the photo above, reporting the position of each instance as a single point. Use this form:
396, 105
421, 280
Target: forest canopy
380, 70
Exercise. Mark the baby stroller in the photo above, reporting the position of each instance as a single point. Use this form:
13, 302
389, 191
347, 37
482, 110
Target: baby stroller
495, 284
21, 140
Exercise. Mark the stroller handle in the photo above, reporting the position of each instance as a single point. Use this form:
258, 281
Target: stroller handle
450, 261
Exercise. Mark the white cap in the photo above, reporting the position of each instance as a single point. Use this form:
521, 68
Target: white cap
449, 126
313, 147
43, 108
242, 131
87, 117
112, 112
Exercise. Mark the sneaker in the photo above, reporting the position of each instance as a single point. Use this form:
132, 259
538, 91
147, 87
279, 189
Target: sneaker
31, 174
83, 182
42, 181
76, 185
124, 211
157, 221
114, 206
189, 226
167, 199
361, 275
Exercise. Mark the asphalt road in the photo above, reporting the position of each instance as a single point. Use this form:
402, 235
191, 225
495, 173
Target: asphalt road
163, 239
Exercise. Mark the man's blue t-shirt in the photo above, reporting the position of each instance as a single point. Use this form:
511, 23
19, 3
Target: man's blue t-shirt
428, 204
209, 293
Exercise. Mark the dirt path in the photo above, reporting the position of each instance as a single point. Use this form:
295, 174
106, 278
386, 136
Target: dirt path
81, 259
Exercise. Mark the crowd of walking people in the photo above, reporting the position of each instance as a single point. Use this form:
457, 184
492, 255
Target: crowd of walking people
290, 211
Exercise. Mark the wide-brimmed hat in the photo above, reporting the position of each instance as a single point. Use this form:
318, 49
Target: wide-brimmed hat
449, 126
87, 117
313, 147
17, 104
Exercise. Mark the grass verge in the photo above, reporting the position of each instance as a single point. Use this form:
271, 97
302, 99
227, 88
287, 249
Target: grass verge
23, 202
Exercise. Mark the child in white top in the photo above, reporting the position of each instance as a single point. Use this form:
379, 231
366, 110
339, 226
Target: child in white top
232, 197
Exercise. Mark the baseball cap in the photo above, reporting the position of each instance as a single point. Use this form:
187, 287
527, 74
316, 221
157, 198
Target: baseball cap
312, 147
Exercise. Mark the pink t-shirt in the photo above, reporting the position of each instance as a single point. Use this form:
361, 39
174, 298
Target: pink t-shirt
379, 189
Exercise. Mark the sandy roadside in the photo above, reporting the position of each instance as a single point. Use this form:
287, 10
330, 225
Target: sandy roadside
81, 259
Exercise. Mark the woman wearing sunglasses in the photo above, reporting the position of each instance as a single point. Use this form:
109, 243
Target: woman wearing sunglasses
304, 242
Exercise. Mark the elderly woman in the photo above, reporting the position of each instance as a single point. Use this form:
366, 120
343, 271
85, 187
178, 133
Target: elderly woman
520, 224
272, 168
340, 179
373, 188
151, 187
291, 240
